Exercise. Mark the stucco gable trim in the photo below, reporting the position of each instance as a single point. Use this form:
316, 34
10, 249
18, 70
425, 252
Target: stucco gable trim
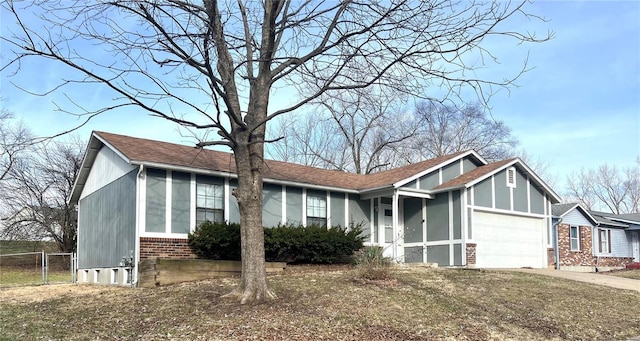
456, 158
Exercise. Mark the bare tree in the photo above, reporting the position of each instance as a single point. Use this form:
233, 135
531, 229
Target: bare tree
35, 194
447, 129
213, 65
352, 131
15, 138
606, 187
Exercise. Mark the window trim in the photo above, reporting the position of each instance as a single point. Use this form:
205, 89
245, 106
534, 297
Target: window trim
607, 241
321, 199
576, 238
216, 211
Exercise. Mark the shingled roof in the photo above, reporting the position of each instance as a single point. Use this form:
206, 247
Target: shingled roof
144, 151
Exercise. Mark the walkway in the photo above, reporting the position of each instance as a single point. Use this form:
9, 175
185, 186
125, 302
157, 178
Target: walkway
589, 277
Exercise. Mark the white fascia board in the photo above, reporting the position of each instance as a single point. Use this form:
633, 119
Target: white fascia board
490, 174
415, 193
440, 165
538, 180
235, 176
447, 189
385, 191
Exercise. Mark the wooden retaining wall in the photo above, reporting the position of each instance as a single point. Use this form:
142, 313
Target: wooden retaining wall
155, 272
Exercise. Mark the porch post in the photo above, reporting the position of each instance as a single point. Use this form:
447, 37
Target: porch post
395, 229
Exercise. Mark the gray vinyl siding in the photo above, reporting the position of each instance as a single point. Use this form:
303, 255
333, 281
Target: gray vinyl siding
438, 254
412, 184
457, 214
430, 180
450, 171
107, 224
621, 243
482, 193
438, 217
413, 220
468, 165
271, 205
576, 218
180, 202
337, 209
232, 204
156, 200
502, 192
520, 193
537, 200
457, 254
294, 205
413, 254
359, 212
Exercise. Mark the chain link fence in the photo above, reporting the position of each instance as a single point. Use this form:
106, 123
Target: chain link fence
36, 268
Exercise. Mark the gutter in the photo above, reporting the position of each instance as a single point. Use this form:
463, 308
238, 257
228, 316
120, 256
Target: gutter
136, 253
556, 252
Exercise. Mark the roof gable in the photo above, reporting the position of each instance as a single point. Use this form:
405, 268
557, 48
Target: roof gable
561, 210
481, 173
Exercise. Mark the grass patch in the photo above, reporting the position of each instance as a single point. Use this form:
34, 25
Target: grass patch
626, 273
19, 277
417, 304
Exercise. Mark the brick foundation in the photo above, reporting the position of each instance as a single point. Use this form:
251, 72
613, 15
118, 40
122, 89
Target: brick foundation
173, 248
614, 262
471, 254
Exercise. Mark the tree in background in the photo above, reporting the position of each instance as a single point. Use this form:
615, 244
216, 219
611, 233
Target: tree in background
447, 129
607, 188
365, 132
15, 138
35, 194
214, 65
356, 131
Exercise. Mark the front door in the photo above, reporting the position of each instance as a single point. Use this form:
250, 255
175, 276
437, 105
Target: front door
387, 229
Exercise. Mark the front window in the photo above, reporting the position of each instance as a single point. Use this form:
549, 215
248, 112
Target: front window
316, 210
574, 235
209, 202
604, 239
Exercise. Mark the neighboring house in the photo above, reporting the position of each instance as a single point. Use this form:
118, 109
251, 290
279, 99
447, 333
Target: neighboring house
140, 198
594, 241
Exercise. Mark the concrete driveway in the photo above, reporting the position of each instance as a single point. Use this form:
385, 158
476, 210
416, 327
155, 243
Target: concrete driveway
589, 277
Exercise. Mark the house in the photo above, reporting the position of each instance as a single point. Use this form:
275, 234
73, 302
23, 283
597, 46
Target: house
140, 198
594, 241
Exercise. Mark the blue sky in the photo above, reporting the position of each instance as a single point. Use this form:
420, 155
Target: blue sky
578, 107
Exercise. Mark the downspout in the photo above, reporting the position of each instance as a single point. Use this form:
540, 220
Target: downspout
556, 252
136, 253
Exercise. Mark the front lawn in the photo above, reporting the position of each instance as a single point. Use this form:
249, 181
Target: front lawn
627, 273
416, 304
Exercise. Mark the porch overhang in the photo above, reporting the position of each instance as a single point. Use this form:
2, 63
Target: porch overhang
415, 193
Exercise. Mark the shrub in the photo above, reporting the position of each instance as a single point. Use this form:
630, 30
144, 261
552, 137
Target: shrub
285, 243
216, 241
371, 263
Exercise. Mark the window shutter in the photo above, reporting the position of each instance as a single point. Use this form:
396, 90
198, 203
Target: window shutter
609, 240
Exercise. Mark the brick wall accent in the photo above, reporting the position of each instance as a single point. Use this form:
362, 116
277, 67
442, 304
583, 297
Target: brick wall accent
471, 254
551, 255
582, 257
173, 248
614, 261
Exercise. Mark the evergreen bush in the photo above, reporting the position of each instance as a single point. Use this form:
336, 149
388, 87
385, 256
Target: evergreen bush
293, 244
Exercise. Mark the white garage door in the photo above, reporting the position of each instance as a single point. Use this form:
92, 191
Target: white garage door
505, 241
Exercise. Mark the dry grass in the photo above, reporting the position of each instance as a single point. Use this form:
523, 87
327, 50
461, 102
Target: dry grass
329, 304
627, 273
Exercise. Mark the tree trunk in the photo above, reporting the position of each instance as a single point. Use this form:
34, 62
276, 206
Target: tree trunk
253, 281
